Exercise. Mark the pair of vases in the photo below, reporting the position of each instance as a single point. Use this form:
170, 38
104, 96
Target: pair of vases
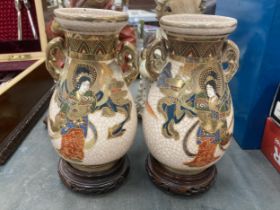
188, 117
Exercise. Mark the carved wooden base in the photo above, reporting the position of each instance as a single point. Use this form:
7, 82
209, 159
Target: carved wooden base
179, 184
93, 183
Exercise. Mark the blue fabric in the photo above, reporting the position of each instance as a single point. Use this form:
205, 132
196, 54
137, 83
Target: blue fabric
257, 36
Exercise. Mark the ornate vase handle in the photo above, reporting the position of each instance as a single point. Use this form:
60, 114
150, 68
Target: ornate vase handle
128, 60
54, 48
230, 57
155, 55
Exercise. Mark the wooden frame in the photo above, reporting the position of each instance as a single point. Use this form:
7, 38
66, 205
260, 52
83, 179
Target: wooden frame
43, 41
24, 98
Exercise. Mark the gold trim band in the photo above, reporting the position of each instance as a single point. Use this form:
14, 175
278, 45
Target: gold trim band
184, 59
91, 47
193, 48
81, 56
202, 38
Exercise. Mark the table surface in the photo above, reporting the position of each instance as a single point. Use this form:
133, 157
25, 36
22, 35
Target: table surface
29, 180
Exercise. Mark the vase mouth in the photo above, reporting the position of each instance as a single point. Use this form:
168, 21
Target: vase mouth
90, 20
197, 24
93, 15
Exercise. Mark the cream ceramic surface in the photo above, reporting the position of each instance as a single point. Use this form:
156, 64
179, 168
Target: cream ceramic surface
104, 150
85, 20
170, 152
163, 7
188, 116
92, 118
198, 24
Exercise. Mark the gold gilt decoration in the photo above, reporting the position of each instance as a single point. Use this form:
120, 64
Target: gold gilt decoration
211, 74
178, 100
155, 56
90, 92
128, 60
91, 47
186, 94
117, 103
195, 49
92, 74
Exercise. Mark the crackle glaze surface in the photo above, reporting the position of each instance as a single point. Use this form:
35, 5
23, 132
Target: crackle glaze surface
92, 118
188, 116
104, 149
168, 151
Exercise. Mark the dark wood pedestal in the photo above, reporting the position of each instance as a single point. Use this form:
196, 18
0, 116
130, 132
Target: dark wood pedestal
179, 184
94, 183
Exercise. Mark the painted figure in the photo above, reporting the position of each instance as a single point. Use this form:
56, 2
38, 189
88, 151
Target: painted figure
115, 103
72, 120
188, 120
177, 102
212, 110
207, 106
92, 119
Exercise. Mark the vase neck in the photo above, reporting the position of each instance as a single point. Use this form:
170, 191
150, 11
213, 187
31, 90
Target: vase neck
195, 48
91, 47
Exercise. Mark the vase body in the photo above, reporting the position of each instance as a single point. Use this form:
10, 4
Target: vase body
188, 116
92, 118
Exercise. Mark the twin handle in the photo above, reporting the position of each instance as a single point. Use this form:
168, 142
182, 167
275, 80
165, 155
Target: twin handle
126, 57
155, 55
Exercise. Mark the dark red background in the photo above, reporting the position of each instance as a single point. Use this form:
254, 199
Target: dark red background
271, 133
8, 29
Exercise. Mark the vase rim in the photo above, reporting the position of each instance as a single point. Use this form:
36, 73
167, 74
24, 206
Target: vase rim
87, 20
198, 24
93, 15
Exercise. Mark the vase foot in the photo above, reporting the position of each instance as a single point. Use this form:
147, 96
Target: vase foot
93, 183
179, 184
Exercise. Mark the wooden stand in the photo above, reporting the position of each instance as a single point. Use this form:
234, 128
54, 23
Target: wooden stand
93, 183
179, 184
